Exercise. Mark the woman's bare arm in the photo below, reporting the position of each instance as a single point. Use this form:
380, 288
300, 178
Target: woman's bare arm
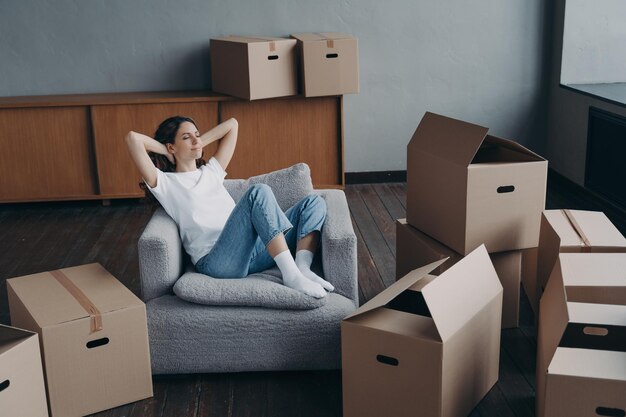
139, 145
227, 132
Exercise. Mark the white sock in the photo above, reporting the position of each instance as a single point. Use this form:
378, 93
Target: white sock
293, 278
304, 259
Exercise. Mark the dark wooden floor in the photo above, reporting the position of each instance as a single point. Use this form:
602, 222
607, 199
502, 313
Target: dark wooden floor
40, 237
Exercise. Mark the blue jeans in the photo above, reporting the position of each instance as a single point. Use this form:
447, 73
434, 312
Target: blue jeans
241, 250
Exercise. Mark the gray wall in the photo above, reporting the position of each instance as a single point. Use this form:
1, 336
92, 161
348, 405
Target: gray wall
479, 61
566, 142
594, 46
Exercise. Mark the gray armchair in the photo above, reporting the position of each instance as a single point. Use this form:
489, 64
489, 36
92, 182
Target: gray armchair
194, 338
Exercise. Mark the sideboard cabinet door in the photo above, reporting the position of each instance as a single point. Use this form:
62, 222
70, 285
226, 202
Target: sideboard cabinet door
116, 171
46, 154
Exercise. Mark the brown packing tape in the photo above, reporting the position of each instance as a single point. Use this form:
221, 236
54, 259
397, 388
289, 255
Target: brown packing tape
585, 242
83, 300
330, 43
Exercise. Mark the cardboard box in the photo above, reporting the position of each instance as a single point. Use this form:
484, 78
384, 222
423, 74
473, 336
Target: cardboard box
572, 231
415, 249
583, 308
22, 391
466, 188
529, 279
329, 63
426, 345
254, 67
94, 338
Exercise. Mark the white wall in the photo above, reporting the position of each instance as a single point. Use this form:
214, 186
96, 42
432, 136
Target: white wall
594, 42
478, 61
566, 140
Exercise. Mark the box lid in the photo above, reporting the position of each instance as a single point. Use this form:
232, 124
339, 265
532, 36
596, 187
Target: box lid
461, 291
454, 297
385, 296
50, 303
584, 228
448, 138
251, 39
11, 337
587, 363
593, 269
321, 36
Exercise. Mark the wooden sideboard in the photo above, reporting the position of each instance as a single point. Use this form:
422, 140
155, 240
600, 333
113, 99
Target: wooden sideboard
71, 147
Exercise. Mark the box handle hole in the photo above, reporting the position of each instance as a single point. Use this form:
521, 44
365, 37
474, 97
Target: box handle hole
610, 412
98, 342
272, 57
595, 331
387, 360
4, 385
332, 55
506, 189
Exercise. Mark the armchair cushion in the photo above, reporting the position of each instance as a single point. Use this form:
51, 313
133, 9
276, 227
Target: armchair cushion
289, 185
257, 290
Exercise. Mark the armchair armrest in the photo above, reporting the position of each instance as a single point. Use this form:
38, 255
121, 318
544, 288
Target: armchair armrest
339, 246
160, 256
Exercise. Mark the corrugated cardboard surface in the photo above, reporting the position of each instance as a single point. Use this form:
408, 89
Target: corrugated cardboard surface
241, 67
402, 363
559, 235
329, 63
83, 379
22, 391
573, 319
415, 249
457, 176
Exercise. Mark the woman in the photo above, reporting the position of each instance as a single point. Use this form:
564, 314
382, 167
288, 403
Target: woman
224, 239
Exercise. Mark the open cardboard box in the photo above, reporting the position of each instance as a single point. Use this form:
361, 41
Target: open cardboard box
415, 249
581, 346
22, 391
254, 67
329, 63
570, 231
93, 360
466, 188
426, 345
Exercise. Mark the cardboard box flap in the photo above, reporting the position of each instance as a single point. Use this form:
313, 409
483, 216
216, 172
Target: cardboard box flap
250, 39
50, 303
576, 362
461, 291
594, 225
447, 138
513, 146
11, 337
321, 36
588, 313
593, 269
396, 288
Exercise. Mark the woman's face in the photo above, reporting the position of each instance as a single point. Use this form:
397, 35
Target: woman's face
187, 144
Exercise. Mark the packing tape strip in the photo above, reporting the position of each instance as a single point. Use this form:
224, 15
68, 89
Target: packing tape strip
577, 228
330, 43
83, 300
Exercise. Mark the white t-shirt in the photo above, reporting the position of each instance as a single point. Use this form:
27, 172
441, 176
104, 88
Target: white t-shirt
198, 203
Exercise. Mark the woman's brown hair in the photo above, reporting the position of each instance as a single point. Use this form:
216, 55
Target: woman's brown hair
166, 133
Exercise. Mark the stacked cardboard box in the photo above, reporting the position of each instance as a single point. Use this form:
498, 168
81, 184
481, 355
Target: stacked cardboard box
466, 188
22, 391
407, 353
93, 334
568, 231
253, 67
581, 349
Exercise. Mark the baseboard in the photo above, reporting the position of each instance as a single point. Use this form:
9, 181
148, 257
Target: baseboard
375, 177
